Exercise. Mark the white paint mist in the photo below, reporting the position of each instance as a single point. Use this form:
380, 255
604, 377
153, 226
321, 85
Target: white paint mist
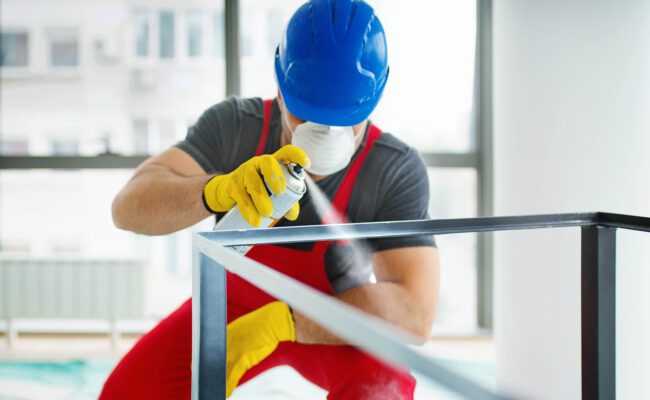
330, 215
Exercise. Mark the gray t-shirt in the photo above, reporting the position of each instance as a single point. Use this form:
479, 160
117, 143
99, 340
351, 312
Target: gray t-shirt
391, 185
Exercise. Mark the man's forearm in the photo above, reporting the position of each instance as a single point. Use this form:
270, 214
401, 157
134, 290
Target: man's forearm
158, 201
389, 301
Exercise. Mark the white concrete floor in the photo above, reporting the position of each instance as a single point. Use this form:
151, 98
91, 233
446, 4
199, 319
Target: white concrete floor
63, 347
465, 354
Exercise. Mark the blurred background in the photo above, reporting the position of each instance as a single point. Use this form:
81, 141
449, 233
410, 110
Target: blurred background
517, 107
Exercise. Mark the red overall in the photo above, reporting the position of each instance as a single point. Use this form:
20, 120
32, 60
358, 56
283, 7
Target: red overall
158, 366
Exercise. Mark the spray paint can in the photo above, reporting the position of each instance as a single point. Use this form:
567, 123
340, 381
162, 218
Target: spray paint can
294, 175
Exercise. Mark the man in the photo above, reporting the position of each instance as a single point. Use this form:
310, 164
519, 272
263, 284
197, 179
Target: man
331, 69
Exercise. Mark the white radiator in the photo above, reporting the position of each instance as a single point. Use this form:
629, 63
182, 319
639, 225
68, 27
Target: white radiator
68, 288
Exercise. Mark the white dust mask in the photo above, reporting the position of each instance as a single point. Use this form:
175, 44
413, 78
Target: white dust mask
329, 148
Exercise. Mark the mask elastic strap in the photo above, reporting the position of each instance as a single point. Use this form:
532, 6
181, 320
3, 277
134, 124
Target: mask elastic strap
286, 120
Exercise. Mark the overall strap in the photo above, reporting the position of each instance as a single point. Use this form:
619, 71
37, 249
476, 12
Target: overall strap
268, 109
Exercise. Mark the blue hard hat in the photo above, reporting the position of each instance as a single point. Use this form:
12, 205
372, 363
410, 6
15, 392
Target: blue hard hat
332, 65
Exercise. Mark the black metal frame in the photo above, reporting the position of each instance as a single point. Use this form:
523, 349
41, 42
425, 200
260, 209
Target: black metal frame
598, 279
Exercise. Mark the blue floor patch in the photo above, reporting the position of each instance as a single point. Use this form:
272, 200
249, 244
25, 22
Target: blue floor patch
82, 379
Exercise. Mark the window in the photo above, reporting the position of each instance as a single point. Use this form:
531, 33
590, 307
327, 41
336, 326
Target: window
260, 34
142, 29
428, 104
13, 147
429, 96
15, 49
167, 35
82, 117
194, 23
63, 47
219, 37
64, 147
75, 224
454, 195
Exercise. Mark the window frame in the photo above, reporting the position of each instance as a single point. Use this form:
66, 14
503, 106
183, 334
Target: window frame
480, 159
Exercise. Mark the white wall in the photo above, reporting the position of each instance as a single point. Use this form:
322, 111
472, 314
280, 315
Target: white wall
572, 133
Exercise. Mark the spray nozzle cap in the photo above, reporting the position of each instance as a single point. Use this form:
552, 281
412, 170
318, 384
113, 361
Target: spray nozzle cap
296, 170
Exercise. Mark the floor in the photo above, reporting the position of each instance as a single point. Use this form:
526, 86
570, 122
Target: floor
74, 368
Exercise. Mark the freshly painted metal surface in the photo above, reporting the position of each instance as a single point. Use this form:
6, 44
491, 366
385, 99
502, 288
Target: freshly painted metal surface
369, 333
385, 340
598, 312
208, 328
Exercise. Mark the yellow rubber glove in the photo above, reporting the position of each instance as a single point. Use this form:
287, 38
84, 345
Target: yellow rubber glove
253, 337
244, 186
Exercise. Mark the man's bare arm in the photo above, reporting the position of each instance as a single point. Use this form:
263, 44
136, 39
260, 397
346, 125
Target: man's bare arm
405, 294
163, 196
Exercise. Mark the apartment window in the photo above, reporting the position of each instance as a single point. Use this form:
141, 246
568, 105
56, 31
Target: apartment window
219, 35
194, 22
64, 147
15, 49
166, 40
63, 47
142, 31
14, 147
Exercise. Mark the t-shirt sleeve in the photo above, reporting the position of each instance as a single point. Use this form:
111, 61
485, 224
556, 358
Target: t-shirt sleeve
406, 198
214, 139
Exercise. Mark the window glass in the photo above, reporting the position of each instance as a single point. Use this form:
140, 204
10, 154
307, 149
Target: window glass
274, 19
64, 54
142, 26
453, 195
219, 35
64, 47
123, 104
66, 216
13, 147
167, 36
15, 50
64, 147
194, 23
120, 83
428, 99
261, 25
